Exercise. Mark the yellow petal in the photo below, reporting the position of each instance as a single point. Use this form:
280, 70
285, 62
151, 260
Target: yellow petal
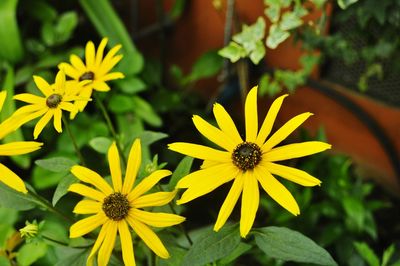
67, 106
208, 164
285, 131
60, 82
154, 199
269, 120
19, 147
200, 151
112, 76
148, 237
107, 65
86, 225
292, 174
100, 86
147, 183
42, 123
276, 190
25, 118
156, 219
69, 70
208, 184
86, 175
213, 134
24, 110
108, 245
126, 244
9, 178
87, 192
134, 161
250, 202
57, 120
100, 51
99, 241
226, 123
43, 86
30, 98
251, 117
229, 203
77, 63
90, 54
115, 167
197, 177
295, 150
3, 96
87, 207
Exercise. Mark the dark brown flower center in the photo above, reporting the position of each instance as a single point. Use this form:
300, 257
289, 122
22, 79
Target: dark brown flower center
87, 76
246, 155
116, 206
53, 100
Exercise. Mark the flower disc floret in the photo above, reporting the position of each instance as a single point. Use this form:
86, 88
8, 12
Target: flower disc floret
87, 76
246, 155
116, 206
53, 100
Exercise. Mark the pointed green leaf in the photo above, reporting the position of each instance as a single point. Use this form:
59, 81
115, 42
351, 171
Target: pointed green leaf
56, 164
62, 187
181, 170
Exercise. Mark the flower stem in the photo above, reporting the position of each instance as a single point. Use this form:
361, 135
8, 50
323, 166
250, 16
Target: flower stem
110, 125
78, 152
46, 204
181, 227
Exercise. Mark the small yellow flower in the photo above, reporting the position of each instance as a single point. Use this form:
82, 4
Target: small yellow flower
247, 162
96, 69
7, 176
30, 230
57, 97
114, 208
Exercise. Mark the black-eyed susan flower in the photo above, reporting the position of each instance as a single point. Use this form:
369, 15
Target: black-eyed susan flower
96, 69
57, 97
7, 176
247, 162
118, 208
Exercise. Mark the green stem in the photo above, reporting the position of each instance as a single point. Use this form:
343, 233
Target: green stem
111, 127
45, 203
181, 227
78, 152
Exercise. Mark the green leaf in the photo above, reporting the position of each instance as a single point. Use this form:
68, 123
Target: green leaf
290, 21
233, 52
276, 36
8, 109
258, 53
273, 12
114, 29
212, 246
288, 245
346, 3
11, 48
148, 137
250, 35
175, 259
387, 255
62, 187
10, 198
31, 252
181, 170
66, 26
56, 164
130, 85
239, 251
367, 253
146, 112
355, 210
208, 65
4, 261
121, 103
100, 144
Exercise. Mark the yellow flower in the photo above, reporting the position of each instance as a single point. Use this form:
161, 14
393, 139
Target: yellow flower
114, 208
96, 69
7, 176
246, 162
57, 97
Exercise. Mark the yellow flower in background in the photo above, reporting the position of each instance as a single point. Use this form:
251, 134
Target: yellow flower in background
7, 176
247, 162
95, 68
57, 97
117, 208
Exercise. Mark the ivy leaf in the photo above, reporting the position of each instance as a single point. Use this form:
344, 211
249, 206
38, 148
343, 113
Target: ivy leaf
233, 52
258, 53
288, 245
276, 36
346, 3
290, 20
273, 12
212, 246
